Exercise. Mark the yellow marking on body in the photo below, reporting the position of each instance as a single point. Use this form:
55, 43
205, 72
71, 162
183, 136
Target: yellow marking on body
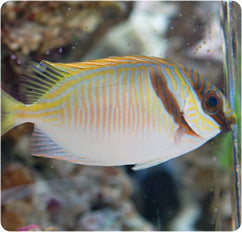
104, 108
111, 105
194, 114
171, 123
90, 101
154, 106
183, 84
118, 99
76, 107
164, 118
133, 113
84, 109
67, 83
131, 120
191, 108
131, 106
125, 108
160, 112
98, 107
148, 99
130, 109
203, 120
136, 102
68, 108
39, 110
41, 115
172, 79
142, 99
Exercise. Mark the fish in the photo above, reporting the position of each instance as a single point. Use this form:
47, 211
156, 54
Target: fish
130, 110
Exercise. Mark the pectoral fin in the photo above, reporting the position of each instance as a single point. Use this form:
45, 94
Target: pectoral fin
184, 128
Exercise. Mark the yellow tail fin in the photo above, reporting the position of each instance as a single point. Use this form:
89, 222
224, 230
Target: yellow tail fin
8, 106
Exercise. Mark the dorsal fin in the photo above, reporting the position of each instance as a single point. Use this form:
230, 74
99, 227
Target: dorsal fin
93, 64
38, 78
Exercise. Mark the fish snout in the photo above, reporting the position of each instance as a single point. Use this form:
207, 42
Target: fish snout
227, 127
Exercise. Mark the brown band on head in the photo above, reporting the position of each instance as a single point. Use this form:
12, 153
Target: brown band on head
159, 84
164, 94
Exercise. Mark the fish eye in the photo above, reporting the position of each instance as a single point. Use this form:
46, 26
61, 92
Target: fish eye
212, 103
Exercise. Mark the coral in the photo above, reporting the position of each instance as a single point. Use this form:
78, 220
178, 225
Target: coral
16, 179
16, 175
123, 218
52, 24
82, 198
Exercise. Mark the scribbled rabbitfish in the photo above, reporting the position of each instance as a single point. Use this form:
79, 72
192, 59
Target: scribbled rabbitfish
116, 111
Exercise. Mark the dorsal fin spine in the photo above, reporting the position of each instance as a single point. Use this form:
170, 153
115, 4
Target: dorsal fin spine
39, 79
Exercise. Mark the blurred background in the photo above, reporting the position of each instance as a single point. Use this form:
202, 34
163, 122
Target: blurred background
191, 192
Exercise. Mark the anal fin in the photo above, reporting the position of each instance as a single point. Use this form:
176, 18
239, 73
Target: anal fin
44, 146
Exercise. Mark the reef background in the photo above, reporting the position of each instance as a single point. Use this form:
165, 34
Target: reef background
191, 192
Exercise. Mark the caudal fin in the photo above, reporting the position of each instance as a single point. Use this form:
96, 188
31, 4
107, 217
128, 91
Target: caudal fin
8, 106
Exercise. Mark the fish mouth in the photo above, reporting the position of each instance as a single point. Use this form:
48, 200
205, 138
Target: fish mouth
227, 127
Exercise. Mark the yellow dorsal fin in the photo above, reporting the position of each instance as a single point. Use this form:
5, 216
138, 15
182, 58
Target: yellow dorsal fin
110, 61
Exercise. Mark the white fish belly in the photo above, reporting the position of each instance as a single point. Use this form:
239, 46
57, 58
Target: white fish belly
115, 149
